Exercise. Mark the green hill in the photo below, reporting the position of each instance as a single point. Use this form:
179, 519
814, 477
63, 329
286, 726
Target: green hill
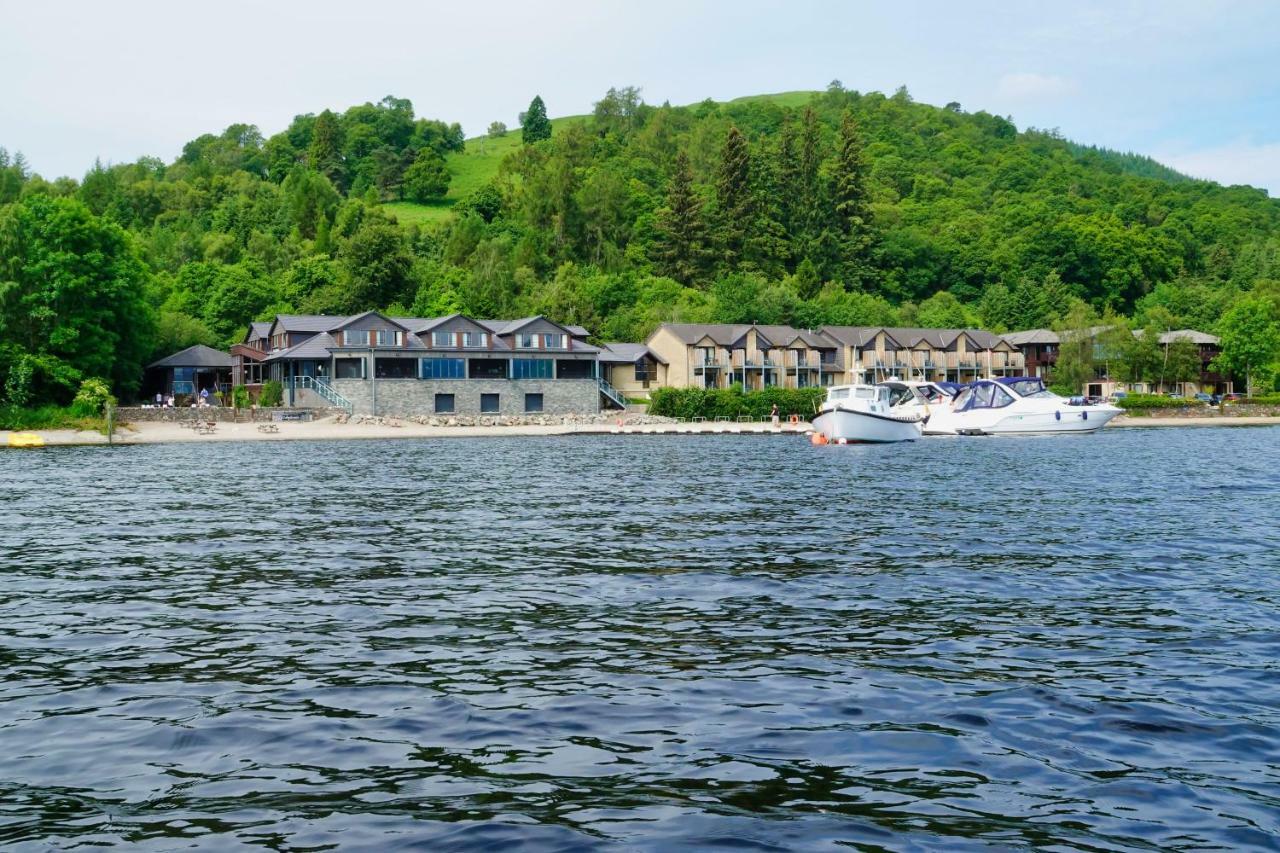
797, 207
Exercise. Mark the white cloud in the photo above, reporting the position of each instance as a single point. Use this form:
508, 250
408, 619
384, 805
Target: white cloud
1240, 162
1028, 84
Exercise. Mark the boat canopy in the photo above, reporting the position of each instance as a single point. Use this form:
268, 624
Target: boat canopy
982, 394
1024, 386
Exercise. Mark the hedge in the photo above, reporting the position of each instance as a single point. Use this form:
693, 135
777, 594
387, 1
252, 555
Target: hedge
712, 403
1143, 402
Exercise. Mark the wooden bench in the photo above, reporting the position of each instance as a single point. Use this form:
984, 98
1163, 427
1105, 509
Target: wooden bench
268, 428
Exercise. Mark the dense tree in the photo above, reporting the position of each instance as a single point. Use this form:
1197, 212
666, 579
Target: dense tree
1250, 335
680, 247
534, 124
428, 178
1075, 365
735, 200
851, 196
72, 298
497, 130
324, 154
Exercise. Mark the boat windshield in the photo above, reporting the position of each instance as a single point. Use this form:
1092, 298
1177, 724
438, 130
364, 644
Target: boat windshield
865, 393
837, 393
1031, 386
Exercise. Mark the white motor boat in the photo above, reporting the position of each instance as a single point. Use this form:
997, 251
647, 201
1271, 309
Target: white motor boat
861, 413
919, 399
1016, 405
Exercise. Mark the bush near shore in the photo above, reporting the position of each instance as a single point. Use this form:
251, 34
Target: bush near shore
733, 402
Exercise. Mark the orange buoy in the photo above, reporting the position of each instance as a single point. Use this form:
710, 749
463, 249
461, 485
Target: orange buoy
817, 438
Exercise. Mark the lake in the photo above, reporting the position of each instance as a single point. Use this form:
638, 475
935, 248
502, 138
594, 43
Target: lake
644, 643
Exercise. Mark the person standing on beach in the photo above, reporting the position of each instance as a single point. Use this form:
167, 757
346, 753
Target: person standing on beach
773, 414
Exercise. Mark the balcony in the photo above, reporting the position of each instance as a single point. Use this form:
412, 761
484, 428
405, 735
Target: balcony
709, 364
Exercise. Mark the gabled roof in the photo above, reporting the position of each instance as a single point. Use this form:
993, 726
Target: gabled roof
1033, 336
258, 330
343, 322
194, 356
316, 346
621, 353
851, 336
305, 322
1188, 335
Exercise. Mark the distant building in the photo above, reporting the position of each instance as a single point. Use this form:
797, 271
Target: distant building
186, 373
450, 365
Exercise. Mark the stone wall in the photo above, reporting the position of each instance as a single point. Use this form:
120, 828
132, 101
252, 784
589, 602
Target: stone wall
408, 397
137, 414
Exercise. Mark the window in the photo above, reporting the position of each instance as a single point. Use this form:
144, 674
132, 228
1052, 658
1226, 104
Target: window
531, 368
389, 338
477, 340
442, 339
348, 368
354, 338
533, 402
444, 404
489, 404
706, 355
524, 340
443, 368
575, 369
487, 368
642, 371
553, 341
394, 368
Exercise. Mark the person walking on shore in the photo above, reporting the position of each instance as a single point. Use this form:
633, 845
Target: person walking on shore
773, 414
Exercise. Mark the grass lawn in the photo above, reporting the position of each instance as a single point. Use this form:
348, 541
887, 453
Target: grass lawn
470, 170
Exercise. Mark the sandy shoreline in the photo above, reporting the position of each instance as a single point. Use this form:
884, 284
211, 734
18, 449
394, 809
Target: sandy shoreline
328, 430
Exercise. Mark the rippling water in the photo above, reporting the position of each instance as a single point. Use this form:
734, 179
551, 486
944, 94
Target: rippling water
647, 643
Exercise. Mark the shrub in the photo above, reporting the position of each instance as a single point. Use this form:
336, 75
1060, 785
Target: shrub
1144, 402
272, 393
240, 397
92, 398
711, 403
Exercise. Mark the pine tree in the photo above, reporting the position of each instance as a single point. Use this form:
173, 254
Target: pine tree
324, 153
735, 200
787, 169
535, 125
852, 201
680, 249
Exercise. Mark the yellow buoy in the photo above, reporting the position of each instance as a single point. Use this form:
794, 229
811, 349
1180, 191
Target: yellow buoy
25, 439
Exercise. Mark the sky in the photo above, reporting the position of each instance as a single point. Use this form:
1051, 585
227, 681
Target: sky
1194, 84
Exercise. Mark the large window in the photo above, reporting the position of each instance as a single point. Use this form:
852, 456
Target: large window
489, 404
642, 371
532, 368
395, 368
444, 404
389, 338
553, 341
348, 368
442, 339
533, 402
575, 369
487, 368
356, 337
475, 340
524, 340
443, 368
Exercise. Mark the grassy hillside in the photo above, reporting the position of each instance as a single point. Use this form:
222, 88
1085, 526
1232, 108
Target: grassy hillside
469, 170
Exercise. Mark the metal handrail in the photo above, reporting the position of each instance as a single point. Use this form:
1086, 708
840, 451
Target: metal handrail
325, 390
612, 393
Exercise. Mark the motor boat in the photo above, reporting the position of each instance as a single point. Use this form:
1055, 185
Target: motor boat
1016, 405
919, 399
862, 413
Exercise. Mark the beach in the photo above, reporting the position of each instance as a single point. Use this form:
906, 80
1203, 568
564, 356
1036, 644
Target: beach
331, 429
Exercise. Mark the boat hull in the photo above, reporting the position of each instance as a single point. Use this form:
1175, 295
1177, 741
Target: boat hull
1068, 419
842, 425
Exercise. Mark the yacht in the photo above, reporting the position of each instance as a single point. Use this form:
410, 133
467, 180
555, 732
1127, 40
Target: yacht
862, 413
1016, 405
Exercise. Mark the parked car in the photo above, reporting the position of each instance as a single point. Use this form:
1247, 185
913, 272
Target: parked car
1233, 397
1119, 395
1175, 396
1207, 399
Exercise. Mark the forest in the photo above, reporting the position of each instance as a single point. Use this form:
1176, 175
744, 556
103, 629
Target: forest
806, 208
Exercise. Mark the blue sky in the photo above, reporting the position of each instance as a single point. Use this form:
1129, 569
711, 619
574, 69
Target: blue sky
1196, 85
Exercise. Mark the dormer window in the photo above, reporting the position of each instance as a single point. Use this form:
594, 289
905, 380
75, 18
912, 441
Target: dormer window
525, 340
356, 338
442, 339
475, 340
553, 341
390, 338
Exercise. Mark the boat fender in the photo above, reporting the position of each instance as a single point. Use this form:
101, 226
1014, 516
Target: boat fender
817, 438
1084, 416
1057, 416
842, 441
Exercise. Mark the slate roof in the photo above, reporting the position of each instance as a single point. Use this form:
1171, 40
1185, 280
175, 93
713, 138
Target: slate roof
258, 330
195, 356
1033, 336
1189, 335
620, 353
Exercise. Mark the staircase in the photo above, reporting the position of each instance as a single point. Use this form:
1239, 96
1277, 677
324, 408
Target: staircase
323, 390
612, 395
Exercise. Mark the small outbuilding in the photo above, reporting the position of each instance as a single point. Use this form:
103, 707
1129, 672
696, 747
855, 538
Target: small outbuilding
187, 373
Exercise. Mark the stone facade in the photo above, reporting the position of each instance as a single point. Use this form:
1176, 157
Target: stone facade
409, 397
224, 414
